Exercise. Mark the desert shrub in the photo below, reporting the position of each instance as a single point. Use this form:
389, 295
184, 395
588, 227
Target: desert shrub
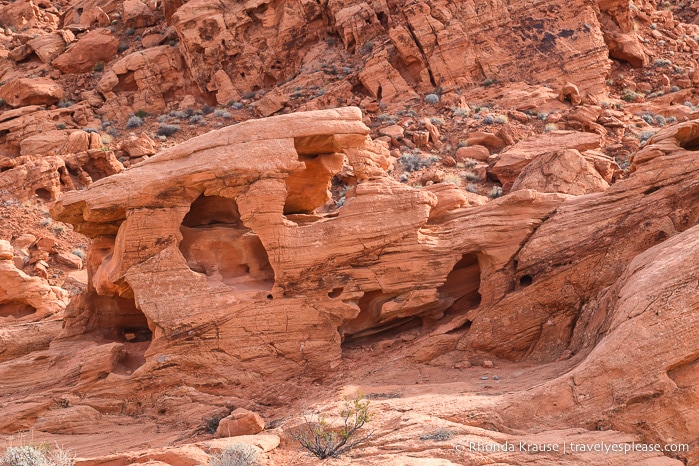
661, 62
452, 179
222, 114
238, 454
134, 122
37, 455
440, 434
141, 113
167, 130
123, 47
61, 126
2, 102
413, 162
630, 96
197, 120
472, 188
64, 103
460, 112
178, 114
472, 176
495, 192
489, 120
437, 121
501, 119
550, 127
206, 109
431, 99
645, 135
323, 440
387, 119
469, 163
235, 105
488, 82
130, 31
99, 66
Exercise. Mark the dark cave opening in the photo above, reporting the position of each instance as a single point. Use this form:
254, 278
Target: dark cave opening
462, 285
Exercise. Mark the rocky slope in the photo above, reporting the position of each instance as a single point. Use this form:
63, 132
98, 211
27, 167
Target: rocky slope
481, 215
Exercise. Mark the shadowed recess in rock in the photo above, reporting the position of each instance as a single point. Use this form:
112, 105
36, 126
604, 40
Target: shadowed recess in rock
216, 243
371, 321
462, 285
308, 189
16, 309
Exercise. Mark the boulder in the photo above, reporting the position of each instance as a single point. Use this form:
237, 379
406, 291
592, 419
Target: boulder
49, 46
138, 146
476, 152
564, 171
240, 422
31, 91
80, 57
136, 14
511, 162
43, 143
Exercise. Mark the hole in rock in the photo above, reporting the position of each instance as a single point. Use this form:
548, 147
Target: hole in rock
309, 189
526, 280
335, 292
120, 320
383, 19
462, 285
43, 194
216, 243
651, 190
16, 309
370, 322
690, 144
127, 83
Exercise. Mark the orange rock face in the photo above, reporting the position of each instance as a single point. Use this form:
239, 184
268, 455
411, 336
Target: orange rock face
433, 45
229, 225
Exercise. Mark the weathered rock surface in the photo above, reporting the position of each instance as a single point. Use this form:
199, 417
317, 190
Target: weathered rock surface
430, 45
240, 422
565, 171
511, 161
23, 297
95, 46
31, 91
226, 260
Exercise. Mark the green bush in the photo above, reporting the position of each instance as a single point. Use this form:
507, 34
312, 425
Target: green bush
323, 440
